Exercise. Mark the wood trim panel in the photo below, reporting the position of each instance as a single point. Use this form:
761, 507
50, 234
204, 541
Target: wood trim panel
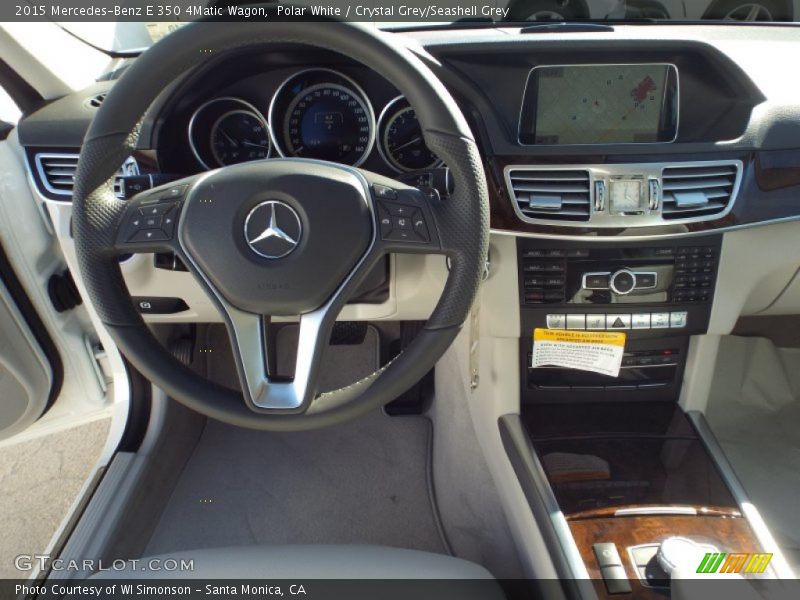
729, 534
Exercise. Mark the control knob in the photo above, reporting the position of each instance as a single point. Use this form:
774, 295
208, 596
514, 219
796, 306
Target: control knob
622, 282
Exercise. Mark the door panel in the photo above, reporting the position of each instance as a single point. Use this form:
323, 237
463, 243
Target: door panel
26, 377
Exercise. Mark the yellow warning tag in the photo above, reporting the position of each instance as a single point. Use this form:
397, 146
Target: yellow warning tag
596, 351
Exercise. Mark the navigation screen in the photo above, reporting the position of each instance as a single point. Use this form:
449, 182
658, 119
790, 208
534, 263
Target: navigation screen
601, 104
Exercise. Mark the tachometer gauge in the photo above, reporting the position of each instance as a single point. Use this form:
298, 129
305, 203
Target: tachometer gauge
329, 122
402, 145
239, 136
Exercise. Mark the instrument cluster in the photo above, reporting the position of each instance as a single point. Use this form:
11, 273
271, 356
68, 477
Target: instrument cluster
315, 113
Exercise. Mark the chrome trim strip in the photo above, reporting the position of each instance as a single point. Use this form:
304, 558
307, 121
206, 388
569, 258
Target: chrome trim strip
609, 172
250, 108
367, 103
381, 139
632, 144
655, 510
778, 565
248, 328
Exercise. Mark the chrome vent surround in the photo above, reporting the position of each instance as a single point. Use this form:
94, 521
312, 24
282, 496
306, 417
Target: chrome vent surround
697, 190
57, 172
558, 194
581, 195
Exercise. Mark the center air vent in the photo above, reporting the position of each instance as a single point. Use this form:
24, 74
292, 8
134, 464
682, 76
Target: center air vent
551, 194
57, 172
698, 191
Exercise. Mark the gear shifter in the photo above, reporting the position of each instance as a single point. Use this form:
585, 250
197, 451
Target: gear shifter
675, 552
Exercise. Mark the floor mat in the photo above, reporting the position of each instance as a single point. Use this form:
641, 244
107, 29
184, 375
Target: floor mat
754, 411
364, 482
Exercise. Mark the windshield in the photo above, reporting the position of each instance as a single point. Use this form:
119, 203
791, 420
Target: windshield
138, 33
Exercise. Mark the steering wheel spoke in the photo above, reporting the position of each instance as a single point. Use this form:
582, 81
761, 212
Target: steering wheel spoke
149, 222
265, 391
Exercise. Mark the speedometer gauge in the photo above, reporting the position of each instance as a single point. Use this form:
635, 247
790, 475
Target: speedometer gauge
239, 136
322, 114
329, 122
402, 144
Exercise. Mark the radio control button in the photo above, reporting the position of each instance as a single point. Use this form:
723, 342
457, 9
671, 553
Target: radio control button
641, 321
618, 321
646, 281
576, 321
595, 322
659, 321
596, 281
556, 321
677, 320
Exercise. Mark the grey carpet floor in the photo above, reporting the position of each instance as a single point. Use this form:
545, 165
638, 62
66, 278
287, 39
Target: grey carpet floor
364, 482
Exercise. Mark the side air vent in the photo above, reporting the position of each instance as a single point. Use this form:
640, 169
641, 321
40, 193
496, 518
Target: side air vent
57, 172
698, 191
551, 194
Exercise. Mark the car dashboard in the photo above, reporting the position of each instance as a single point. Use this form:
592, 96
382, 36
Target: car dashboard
642, 179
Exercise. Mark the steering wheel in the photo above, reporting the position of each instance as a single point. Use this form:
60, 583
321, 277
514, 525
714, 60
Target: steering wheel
281, 237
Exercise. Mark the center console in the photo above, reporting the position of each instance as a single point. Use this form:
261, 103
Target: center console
630, 488
658, 293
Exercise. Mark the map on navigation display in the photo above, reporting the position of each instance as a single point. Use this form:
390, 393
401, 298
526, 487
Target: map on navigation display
600, 104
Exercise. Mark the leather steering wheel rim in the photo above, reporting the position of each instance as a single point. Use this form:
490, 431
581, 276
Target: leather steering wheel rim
461, 219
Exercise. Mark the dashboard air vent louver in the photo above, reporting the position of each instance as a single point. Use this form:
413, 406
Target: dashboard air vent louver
698, 191
96, 101
552, 194
57, 172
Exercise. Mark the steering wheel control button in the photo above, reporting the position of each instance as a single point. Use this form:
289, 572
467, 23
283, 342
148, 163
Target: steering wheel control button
273, 229
618, 321
154, 210
557, 321
159, 305
622, 282
177, 191
659, 321
151, 222
398, 210
384, 192
402, 222
148, 235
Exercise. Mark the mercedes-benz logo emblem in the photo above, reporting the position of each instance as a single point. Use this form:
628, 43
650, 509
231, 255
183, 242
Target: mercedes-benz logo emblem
272, 229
